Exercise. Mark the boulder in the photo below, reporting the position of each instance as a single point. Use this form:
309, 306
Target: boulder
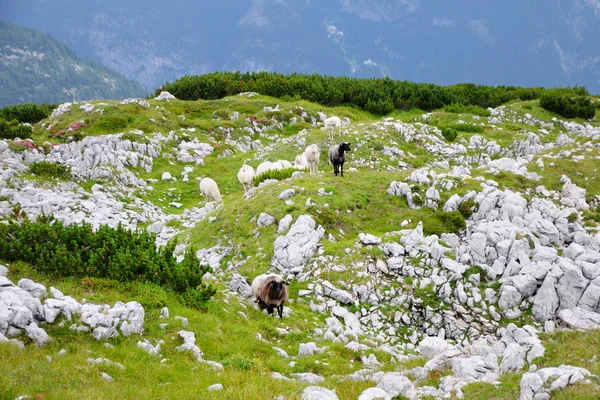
318, 393
292, 251
394, 383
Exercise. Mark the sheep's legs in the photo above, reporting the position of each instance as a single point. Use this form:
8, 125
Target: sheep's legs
342, 169
280, 311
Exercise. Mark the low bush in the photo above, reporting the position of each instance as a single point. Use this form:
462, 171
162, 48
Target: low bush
55, 249
467, 208
14, 129
50, 170
274, 174
459, 108
113, 123
568, 105
466, 128
443, 222
449, 134
30, 113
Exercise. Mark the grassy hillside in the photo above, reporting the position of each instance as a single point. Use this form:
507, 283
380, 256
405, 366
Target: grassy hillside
231, 331
36, 68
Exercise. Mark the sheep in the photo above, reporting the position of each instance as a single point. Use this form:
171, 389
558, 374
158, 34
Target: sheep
312, 158
337, 156
263, 167
210, 190
246, 176
331, 124
270, 291
285, 164
300, 162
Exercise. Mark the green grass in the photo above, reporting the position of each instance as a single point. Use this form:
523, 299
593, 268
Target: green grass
359, 203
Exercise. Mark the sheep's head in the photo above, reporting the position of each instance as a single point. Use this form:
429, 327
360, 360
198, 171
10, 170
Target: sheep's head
277, 286
345, 147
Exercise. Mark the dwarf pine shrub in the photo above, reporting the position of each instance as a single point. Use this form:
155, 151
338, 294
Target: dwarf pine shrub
567, 104
55, 249
278, 174
50, 170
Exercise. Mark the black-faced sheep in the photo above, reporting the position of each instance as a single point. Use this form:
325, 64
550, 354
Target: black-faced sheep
331, 124
337, 156
210, 190
246, 176
270, 291
312, 158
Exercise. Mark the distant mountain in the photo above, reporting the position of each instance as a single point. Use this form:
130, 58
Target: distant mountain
36, 68
514, 42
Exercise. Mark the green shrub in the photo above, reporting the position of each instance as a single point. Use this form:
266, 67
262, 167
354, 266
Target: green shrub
274, 174
574, 216
467, 208
50, 170
458, 108
443, 222
13, 129
113, 123
110, 253
449, 134
379, 107
567, 104
379, 96
466, 128
30, 113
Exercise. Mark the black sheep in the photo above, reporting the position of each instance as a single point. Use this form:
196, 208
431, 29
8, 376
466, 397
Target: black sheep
337, 156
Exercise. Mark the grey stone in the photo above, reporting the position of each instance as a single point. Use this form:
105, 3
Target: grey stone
308, 377
374, 393
286, 194
265, 220
394, 383
570, 288
317, 393
215, 387
546, 302
368, 239
579, 318
35, 289
431, 346
292, 251
284, 224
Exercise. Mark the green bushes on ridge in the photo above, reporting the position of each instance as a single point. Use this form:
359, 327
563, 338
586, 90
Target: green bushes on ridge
568, 103
30, 113
113, 253
379, 96
13, 129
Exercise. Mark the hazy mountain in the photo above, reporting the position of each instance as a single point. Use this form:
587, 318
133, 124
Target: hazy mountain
515, 42
35, 68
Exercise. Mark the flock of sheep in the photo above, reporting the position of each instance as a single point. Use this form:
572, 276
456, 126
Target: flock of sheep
270, 290
308, 159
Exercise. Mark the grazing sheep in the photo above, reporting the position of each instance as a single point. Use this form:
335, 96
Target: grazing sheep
246, 176
331, 124
300, 162
264, 167
311, 154
270, 291
285, 164
337, 156
210, 190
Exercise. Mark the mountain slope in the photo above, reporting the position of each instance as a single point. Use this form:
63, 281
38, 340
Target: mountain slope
376, 313
35, 68
550, 43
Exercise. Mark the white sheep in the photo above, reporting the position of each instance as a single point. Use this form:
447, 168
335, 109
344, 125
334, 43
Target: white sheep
263, 167
331, 124
312, 158
300, 162
210, 190
285, 164
246, 176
